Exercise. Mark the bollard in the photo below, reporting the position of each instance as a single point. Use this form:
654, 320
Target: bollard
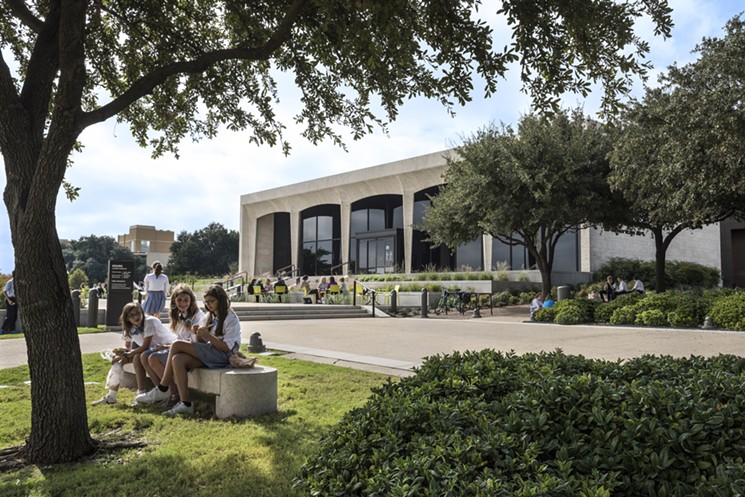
394, 302
92, 309
425, 304
255, 343
562, 293
76, 306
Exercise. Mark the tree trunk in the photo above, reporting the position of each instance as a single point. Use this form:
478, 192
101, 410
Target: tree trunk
659, 260
59, 421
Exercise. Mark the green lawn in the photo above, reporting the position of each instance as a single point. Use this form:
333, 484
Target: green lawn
198, 456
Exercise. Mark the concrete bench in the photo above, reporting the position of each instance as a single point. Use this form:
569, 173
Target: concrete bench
239, 393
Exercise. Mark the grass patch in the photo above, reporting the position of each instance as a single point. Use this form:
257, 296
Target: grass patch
83, 330
198, 456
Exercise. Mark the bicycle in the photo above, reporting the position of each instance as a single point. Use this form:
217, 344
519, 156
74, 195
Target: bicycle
450, 300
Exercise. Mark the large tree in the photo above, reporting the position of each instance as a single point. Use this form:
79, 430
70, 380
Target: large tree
207, 252
173, 69
92, 254
680, 158
526, 187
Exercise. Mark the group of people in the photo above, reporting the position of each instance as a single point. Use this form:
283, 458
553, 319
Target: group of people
612, 289
194, 339
539, 302
266, 285
324, 287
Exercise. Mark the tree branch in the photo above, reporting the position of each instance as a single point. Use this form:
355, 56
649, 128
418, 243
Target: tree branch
147, 83
22, 12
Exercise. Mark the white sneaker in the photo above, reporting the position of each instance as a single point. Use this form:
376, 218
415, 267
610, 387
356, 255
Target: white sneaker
104, 400
180, 408
154, 396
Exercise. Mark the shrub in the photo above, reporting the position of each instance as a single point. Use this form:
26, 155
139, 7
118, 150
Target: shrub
479, 424
652, 317
624, 315
729, 312
547, 315
569, 315
605, 310
678, 274
685, 274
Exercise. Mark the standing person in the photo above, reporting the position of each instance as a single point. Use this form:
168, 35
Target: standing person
184, 314
156, 290
11, 309
214, 344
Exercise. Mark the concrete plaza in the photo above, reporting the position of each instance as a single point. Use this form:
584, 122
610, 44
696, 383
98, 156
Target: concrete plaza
395, 345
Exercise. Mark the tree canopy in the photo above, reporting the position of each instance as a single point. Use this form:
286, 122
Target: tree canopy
211, 251
527, 186
679, 158
177, 69
92, 254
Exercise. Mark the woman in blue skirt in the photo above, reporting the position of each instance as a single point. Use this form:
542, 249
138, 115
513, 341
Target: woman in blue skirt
156, 288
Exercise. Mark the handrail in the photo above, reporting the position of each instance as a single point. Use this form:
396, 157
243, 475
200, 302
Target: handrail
365, 289
341, 265
281, 271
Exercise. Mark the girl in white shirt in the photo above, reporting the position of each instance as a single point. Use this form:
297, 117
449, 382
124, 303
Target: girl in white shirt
214, 344
184, 314
156, 290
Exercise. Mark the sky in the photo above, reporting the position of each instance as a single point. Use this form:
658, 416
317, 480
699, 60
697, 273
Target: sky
121, 185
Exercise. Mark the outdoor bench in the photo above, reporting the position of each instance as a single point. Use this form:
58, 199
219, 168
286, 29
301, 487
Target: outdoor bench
239, 393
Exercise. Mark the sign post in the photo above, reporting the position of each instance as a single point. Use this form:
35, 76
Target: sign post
121, 280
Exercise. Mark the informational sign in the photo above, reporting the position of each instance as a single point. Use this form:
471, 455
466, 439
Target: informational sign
121, 284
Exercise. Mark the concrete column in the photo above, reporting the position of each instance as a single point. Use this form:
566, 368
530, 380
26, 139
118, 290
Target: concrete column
487, 240
346, 215
408, 208
295, 238
247, 247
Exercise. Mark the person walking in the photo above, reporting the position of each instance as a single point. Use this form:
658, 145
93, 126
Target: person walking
156, 290
11, 309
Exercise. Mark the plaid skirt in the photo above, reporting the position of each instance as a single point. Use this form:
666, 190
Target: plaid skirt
154, 303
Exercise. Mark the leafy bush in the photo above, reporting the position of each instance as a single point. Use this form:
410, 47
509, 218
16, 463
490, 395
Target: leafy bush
689, 274
569, 315
729, 312
678, 274
547, 315
624, 315
652, 317
481, 424
605, 310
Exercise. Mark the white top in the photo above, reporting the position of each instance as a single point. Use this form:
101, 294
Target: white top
10, 289
183, 328
153, 327
638, 285
231, 330
159, 284
622, 287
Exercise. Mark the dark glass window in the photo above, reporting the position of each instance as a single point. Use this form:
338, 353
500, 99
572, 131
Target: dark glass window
470, 255
321, 235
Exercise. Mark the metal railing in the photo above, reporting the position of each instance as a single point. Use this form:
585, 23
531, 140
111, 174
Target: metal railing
366, 291
338, 266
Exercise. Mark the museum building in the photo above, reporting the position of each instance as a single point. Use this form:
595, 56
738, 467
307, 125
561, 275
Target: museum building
367, 221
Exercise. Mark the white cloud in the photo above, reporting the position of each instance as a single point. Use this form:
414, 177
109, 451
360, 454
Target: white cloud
122, 186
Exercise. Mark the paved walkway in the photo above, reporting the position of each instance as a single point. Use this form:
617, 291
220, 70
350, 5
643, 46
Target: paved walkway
395, 345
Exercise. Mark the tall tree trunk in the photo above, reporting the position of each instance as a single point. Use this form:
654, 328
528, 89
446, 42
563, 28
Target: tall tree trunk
660, 251
59, 421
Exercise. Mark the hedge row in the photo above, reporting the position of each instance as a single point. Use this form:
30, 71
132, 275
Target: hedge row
678, 274
484, 423
678, 309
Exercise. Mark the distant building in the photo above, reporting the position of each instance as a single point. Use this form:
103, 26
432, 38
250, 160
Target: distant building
367, 221
154, 244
